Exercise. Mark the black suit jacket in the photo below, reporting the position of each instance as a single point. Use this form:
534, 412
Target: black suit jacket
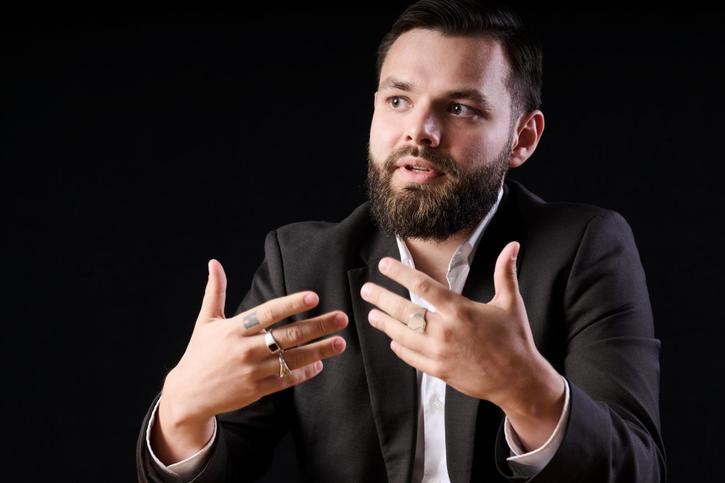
586, 297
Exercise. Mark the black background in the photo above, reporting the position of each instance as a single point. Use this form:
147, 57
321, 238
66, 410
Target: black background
136, 146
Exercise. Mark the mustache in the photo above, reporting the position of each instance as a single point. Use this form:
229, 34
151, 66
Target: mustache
440, 162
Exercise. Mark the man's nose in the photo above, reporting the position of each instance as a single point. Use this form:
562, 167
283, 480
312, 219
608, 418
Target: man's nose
424, 127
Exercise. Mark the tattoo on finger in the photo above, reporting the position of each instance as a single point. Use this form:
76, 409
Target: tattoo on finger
250, 320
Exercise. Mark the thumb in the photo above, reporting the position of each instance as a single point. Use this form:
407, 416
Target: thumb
505, 279
212, 306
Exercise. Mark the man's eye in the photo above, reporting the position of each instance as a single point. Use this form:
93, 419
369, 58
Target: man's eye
462, 110
396, 102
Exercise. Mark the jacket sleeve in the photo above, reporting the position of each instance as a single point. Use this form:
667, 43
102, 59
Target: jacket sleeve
611, 363
246, 438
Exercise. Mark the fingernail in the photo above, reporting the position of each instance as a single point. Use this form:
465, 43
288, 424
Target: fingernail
311, 299
340, 319
372, 317
365, 291
318, 366
384, 264
338, 344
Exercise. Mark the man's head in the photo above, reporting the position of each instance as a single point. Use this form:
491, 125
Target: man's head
459, 86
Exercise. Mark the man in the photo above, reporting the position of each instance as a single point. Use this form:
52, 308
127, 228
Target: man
483, 334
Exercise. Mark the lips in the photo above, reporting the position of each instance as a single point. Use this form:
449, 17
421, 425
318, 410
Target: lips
417, 165
416, 170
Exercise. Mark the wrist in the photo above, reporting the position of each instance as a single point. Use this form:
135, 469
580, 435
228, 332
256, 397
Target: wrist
177, 407
178, 433
536, 406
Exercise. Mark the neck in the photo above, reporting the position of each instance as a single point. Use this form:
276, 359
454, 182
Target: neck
432, 257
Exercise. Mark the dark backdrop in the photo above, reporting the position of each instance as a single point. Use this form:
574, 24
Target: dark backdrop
137, 146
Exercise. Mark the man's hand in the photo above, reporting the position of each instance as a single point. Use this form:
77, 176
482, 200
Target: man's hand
484, 350
228, 366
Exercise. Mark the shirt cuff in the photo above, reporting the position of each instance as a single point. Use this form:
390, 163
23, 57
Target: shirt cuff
528, 464
185, 469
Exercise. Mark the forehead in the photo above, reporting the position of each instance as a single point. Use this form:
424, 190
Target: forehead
432, 61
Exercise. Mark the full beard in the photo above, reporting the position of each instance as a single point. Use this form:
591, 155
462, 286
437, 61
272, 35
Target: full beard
438, 210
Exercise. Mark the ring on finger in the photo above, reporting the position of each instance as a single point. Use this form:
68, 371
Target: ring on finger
417, 321
283, 367
271, 342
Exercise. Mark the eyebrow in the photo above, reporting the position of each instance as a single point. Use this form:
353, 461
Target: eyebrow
471, 94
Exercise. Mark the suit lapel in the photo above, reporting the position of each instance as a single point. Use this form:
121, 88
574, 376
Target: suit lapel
391, 382
462, 411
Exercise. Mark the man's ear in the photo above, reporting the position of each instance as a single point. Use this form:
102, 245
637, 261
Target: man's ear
528, 132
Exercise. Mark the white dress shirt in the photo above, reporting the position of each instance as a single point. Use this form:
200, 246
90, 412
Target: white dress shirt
430, 455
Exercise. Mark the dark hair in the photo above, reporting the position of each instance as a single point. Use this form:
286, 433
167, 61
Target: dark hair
470, 18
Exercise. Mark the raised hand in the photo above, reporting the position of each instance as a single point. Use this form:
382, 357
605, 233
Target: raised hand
227, 364
484, 350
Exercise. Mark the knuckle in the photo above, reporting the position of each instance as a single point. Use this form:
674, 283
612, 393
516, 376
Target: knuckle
458, 312
421, 286
328, 350
244, 356
247, 374
445, 334
295, 335
321, 326
255, 372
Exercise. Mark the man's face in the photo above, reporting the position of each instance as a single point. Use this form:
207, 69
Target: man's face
441, 134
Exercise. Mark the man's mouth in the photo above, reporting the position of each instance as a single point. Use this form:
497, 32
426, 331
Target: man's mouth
417, 170
417, 165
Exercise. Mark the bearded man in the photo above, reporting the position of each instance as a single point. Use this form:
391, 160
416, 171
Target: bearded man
470, 330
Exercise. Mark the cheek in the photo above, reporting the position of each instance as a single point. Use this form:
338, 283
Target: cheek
383, 136
477, 149
467, 152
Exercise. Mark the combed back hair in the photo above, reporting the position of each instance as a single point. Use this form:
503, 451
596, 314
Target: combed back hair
471, 18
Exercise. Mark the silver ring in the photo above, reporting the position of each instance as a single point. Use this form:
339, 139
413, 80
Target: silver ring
271, 342
418, 321
283, 367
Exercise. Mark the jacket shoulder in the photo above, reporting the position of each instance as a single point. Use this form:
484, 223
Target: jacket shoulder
337, 239
564, 217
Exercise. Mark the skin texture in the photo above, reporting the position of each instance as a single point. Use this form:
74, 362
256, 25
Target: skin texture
483, 350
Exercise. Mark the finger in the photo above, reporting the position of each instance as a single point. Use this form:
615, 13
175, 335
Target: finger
302, 332
398, 331
396, 306
505, 279
272, 384
262, 316
417, 282
415, 359
304, 355
212, 305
